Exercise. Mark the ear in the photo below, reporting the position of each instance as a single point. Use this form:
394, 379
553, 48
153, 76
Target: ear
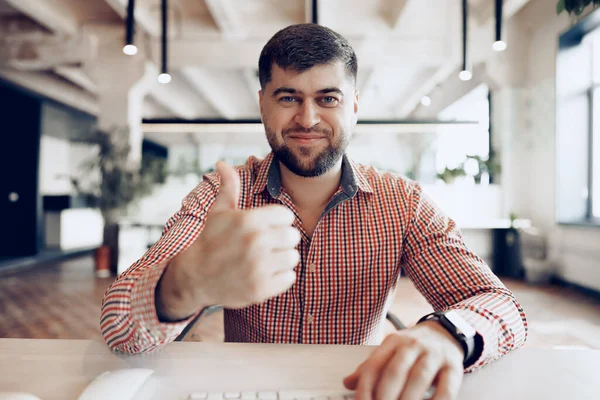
355, 114
260, 102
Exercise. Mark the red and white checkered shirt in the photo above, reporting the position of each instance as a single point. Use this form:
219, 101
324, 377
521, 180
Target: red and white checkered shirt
375, 226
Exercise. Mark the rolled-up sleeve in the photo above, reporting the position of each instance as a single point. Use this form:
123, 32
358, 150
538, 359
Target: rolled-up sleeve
451, 276
128, 321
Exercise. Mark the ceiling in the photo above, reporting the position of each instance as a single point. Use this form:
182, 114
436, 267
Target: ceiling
405, 49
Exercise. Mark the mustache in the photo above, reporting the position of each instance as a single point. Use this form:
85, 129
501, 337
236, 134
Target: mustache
299, 129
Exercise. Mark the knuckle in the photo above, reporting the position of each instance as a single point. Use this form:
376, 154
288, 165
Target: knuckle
394, 370
251, 240
427, 369
292, 258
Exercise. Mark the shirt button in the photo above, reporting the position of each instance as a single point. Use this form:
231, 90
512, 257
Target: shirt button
312, 267
310, 319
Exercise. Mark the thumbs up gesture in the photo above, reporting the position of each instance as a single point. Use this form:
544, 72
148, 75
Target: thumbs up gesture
241, 257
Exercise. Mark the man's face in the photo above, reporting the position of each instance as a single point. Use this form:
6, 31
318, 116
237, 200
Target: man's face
309, 116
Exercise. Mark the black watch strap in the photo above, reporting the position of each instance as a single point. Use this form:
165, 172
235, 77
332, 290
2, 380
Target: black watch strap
470, 341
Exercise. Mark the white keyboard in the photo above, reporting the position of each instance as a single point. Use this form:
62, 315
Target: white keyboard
274, 395
315, 394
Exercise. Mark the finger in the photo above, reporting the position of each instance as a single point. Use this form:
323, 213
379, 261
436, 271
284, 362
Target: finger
280, 283
421, 377
395, 373
448, 384
271, 215
229, 189
351, 381
281, 238
371, 369
282, 261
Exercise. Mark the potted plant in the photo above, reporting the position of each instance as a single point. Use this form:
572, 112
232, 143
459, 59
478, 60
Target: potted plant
117, 186
489, 166
449, 175
575, 7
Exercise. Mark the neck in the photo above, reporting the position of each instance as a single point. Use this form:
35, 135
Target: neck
311, 193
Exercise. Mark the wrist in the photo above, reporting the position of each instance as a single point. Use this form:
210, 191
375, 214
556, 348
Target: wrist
436, 327
460, 331
176, 296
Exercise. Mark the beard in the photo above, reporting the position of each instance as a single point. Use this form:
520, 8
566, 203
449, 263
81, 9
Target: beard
311, 162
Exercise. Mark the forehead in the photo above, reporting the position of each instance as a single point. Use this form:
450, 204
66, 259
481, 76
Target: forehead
311, 80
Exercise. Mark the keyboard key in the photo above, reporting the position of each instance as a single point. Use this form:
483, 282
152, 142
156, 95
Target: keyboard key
232, 395
197, 396
267, 395
215, 396
248, 395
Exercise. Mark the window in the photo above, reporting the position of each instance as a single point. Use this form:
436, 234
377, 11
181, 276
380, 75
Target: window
594, 98
595, 200
578, 123
461, 150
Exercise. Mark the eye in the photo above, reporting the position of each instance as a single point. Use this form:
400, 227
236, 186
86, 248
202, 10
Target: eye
287, 99
329, 101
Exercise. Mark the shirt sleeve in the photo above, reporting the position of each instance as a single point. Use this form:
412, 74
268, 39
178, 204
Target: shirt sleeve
128, 320
451, 276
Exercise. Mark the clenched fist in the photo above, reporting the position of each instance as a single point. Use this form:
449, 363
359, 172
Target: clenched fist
241, 257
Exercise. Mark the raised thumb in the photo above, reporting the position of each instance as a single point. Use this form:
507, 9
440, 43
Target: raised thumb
229, 192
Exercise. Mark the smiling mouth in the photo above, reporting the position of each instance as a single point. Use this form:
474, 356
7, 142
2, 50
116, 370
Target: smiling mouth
306, 141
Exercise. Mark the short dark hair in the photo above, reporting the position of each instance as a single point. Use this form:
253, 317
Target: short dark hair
301, 47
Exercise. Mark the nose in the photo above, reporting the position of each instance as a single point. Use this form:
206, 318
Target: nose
307, 115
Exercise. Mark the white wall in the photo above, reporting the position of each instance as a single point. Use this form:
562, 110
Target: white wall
528, 117
54, 166
59, 160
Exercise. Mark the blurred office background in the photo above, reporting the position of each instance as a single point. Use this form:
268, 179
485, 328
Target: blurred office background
493, 106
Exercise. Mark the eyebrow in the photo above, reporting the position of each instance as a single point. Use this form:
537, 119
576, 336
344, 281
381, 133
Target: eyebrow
290, 90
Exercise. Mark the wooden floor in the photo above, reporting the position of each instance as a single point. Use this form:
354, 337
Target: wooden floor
62, 300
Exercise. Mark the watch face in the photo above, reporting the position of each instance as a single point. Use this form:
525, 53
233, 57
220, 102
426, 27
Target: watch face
461, 325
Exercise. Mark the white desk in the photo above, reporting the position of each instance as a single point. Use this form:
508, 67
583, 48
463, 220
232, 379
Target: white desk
60, 369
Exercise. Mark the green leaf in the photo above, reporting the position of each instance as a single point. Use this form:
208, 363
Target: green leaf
560, 6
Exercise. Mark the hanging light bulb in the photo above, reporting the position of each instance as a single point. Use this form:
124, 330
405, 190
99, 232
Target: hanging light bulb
465, 74
130, 48
164, 76
499, 44
426, 101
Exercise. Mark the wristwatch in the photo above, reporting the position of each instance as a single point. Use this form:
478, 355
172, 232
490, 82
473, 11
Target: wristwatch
469, 339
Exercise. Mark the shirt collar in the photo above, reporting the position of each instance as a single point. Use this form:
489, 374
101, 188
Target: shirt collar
269, 177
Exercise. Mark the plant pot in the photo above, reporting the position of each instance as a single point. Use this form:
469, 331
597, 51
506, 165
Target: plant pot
103, 262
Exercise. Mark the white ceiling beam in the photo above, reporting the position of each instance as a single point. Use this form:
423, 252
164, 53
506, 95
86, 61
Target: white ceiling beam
210, 90
392, 11
45, 52
174, 100
78, 76
152, 109
307, 11
244, 55
450, 91
149, 21
54, 88
227, 19
50, 14
425, 88
20, 27
485, 12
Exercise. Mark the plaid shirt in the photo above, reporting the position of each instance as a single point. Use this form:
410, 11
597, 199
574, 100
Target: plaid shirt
375, 226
